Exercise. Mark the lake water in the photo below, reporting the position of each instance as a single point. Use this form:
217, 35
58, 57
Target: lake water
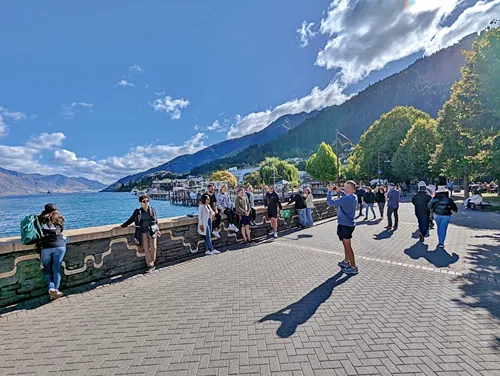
81, 209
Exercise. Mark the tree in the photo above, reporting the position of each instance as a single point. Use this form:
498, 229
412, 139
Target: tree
253, 179
301, 166
469, 123
272, 166
384, 136
323, 165
225, 176
411, 160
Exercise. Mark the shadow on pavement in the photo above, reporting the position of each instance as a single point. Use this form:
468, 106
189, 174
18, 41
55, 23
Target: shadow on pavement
301, 311
386, 234
476, 219
438, 257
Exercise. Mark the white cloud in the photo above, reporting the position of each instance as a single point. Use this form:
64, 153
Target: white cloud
136, 68
69, 111
124, 83
5, 113
3, 127
170, 106
306, 33
46, 141
216, 126
316, 100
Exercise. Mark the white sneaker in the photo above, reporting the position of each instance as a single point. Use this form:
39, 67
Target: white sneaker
216, 234
215, 252
208, 253
233, 228
271, 232
275, 234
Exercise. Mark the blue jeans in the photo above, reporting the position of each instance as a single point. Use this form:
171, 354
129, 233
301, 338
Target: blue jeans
302, 217
208, 236
309, 217
370, 206
51, 259
442, 222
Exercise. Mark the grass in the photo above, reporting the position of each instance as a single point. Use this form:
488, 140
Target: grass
494, 200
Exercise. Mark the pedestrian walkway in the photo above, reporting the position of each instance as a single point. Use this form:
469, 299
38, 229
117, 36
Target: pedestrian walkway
282, 308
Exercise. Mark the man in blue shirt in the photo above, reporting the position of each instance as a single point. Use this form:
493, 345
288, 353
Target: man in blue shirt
346, 204
392, 207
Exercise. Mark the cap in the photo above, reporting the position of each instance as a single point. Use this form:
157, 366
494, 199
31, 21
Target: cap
49, 208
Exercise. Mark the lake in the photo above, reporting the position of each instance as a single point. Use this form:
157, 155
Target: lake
80, 209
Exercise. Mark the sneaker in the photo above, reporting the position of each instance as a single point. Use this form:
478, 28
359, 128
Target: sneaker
440, 245
387, 227
351, 270
150, 269
216, 234
394, 228
208, 253
374, 217
421, 238
344, 264
275, 235
52, 293
215, 252
59, 294
248, 242
365, 219
271, 233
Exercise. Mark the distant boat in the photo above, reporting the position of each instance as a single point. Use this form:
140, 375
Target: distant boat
48, 192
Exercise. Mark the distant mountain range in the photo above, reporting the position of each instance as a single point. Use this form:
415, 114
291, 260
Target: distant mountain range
14, 183
185, 163
425, 85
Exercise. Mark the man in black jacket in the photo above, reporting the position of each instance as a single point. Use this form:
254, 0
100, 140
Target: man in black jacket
300, 206
421, 203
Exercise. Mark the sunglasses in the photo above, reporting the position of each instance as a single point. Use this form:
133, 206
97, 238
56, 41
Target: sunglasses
145, 201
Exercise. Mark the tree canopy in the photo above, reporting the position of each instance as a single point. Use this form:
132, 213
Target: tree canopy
323, 164
225, 176
253, 179
273, 166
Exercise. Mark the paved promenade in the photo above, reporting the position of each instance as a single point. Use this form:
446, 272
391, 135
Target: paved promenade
282, 308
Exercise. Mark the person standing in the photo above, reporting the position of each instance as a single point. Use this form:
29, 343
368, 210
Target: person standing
242, 207
300, 206
213, 205
392, 207
443, 207
380, 200
431, 191
310, 206
404, 188
421, 203
205, 215
251, 200
146, 230
346, 204
360, 192
53, 248
226, 206
273, 204
369, 199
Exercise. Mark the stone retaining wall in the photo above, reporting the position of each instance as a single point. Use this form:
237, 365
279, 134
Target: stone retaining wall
102, 252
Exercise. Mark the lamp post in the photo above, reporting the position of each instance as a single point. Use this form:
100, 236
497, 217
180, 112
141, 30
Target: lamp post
378, 162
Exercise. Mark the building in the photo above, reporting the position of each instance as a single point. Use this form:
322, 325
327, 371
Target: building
240, 174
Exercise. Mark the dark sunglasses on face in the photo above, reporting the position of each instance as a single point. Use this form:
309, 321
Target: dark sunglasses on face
145, 201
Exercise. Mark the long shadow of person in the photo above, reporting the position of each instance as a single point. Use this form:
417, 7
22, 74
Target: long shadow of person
302, 310
386, 234
439, 257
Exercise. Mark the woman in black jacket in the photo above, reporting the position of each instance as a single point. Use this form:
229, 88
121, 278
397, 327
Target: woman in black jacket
53, 248
146, 230
369, 199
443, 207
274, 207
380, 200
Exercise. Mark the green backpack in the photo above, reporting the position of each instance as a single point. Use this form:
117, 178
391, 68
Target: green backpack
31, 230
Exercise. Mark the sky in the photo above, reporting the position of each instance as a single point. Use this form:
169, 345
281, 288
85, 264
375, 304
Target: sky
111, 88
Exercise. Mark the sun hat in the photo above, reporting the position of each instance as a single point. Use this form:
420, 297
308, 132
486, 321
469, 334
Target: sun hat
49, 208
441, 189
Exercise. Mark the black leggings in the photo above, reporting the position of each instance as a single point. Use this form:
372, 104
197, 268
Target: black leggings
253, 214
231, 215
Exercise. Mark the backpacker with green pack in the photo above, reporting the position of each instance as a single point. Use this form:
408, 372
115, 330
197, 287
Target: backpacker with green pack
31, 230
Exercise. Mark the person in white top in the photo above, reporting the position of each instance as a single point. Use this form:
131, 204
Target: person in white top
205, 215
309, 198
226, 206
475, 200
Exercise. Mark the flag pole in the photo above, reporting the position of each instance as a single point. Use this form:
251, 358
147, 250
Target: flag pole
338, 159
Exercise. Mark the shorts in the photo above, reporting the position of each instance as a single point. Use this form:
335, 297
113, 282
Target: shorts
272, 213
345, 232
244, 220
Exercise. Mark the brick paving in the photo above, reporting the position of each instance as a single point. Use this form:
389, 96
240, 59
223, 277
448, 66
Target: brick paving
281, 308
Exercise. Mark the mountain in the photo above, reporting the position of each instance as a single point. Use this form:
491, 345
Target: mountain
424, 85
14, 183
224, 149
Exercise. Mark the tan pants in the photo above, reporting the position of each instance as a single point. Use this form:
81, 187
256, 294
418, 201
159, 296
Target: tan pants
149, 247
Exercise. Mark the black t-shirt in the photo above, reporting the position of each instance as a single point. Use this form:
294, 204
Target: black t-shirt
146, 221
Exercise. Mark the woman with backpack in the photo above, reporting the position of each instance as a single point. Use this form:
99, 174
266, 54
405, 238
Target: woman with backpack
146, 230
443, 207
53, 248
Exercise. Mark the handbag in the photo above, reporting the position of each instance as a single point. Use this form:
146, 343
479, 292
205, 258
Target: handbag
285, 214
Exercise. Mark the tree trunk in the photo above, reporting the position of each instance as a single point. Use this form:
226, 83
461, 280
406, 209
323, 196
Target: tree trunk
466, 186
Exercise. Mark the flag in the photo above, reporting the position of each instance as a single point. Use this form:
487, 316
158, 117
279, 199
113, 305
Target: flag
348, 140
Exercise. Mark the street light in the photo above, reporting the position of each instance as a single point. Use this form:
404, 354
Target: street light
378, 162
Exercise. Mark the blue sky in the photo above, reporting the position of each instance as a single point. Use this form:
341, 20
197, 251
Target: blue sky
105, 89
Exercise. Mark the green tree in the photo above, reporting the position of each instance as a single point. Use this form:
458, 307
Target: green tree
411, 160
469, 123
225, 176
253, 178
323, 165
384, 136
273, 166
